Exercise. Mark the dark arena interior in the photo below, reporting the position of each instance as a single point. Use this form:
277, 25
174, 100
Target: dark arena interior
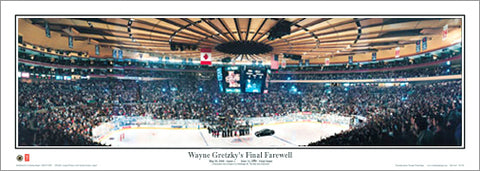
218, 81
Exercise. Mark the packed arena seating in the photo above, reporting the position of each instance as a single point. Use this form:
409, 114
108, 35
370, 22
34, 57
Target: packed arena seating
49, 108
60, 112
418, 72
426, 58
430, 116
436, 70
62, 60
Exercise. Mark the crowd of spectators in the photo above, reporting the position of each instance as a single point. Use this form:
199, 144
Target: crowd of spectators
64, 112
147, 68
425, 58
438, 70
430, 114
52, 112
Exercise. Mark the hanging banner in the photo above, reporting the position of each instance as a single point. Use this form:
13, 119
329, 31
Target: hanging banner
284, 63
205, 56
397, 52
274, 62
424, 43
120, 54
114, 53
417, 44
307, 62
445, 32
300, 62
327, 61
47, 30
97, 50
350, 59
374, 56
184, 61
70, 41
190, 61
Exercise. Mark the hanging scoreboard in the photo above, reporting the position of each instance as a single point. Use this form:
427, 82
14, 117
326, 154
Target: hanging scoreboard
238, 79
254, 80
232, 79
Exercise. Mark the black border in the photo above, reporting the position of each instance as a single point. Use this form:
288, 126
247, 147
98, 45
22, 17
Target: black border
240, 148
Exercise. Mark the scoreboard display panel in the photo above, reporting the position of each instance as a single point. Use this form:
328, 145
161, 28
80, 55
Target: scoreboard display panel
254, 80
242, 79
232, 79
220, 79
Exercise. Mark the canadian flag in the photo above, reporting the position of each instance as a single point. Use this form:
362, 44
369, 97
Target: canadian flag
397, 52
445, 32
205, 56
327, 61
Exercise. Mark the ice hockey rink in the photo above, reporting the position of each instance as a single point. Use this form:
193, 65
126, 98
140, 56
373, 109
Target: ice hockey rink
286, 135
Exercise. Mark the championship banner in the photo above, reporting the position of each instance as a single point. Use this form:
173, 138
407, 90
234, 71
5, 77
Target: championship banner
97, 50
417, 43
114, 53
445, 32
327, 61
120, 54
166, 59
307, 62
47, 30
190, 61
374, 56
70, 41
397, 52
205, 56
274, 62
350, 59
184, 61
284, 63
300, 62
424, 43
254, 62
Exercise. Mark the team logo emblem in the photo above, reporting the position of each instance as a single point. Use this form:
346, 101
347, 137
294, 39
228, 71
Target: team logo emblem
19, 158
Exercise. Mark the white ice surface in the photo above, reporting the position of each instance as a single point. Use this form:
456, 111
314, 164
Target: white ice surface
286, 135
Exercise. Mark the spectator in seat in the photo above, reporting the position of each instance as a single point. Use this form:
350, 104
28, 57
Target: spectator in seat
424, 136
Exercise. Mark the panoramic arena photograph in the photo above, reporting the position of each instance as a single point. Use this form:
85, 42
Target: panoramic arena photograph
239, 82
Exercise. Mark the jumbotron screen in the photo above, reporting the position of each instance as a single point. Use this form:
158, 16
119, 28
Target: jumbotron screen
232, 79
241, 79
254, 80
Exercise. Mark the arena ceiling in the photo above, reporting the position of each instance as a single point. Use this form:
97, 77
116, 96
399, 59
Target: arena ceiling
310, 37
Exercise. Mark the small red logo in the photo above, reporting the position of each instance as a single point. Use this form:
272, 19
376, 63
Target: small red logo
27, 157
205, 56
